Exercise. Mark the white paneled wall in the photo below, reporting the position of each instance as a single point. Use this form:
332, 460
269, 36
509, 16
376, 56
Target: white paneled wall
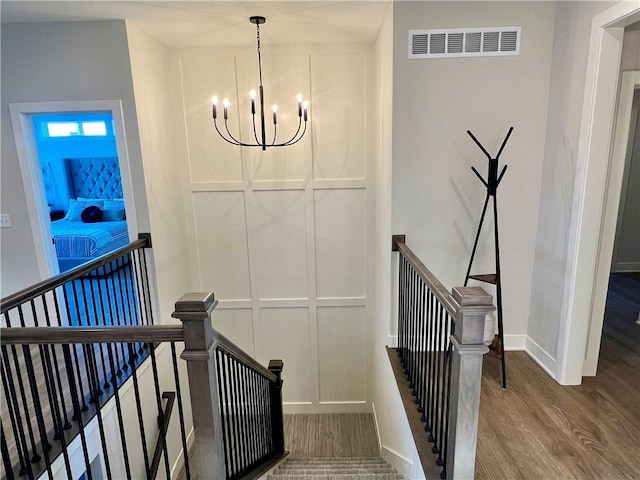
280, 236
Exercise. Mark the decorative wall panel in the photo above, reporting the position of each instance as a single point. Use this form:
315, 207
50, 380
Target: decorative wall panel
338, 86
280, 244
340, 242
280, 236
221, 242
283, 334
342, 354
237, 325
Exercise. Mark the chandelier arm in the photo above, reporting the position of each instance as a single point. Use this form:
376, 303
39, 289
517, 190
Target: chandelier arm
275, 130
255, 133
226, 126
293, 140
234, 142
288, 142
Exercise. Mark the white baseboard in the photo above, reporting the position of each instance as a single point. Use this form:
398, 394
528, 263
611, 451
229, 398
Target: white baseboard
375, 423
326, 407
622, 267
403, 465
515, 342
179, 463
541, 357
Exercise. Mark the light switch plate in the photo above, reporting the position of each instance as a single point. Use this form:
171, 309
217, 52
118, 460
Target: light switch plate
5, 220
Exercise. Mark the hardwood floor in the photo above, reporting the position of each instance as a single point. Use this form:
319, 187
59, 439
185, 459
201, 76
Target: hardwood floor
538, 430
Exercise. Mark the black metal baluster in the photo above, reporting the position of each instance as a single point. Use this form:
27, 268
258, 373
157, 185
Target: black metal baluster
227, 413
412, 329
438, 378
241, 418
14, 410
55, 410
245, 410
67, 424
432, 335
445, 338
163, 434
126, 260
35, 396
6, 458
113, 307
116, 394
136, 390
81, 398
183, 433
98, 406
113, 380
236, 422
101, 346
269, 417
76, 407
224, 414
147, 294
421, 347
254, 418
401, 307
23, 396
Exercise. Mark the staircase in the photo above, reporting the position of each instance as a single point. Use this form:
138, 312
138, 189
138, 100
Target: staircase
338, 468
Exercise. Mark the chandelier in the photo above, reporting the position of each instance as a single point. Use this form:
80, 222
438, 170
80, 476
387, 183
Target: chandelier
261, 135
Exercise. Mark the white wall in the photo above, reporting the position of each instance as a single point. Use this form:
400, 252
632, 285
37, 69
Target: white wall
280, 236
164, 168
437, 200
396, 441
57, 62
570, 50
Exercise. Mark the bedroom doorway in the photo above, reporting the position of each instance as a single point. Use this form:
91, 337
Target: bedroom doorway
25, 132
82, 184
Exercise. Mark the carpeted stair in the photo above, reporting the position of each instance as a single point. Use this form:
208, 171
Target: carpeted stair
338, 468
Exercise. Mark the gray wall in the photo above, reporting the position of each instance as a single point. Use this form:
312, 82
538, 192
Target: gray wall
627, 251
570, 50
48, 62
436, 199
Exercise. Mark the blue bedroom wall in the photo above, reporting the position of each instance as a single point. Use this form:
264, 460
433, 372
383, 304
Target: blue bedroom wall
53, 150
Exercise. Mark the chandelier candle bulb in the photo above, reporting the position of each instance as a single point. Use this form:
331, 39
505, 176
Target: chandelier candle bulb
252, 94
225, 103
305, 106
299, 99
214, 106
275, 114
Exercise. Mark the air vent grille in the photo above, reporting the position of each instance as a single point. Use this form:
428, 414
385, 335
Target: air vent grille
476, 42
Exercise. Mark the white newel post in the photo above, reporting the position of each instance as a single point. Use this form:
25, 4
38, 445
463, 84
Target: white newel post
466, 376
194, 310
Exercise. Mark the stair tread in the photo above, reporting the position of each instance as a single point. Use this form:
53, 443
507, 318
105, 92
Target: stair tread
348, 476
323, 471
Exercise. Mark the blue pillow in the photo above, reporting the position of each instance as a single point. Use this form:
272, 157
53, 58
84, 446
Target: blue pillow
77, 206
113, 214
91, 214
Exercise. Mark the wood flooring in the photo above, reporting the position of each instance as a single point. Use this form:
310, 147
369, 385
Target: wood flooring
539, 430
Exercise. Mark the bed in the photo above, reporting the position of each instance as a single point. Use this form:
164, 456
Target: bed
95, 221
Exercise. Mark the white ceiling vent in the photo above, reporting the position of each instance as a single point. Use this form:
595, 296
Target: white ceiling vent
464, 42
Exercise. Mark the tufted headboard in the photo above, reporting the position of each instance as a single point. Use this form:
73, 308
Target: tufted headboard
97, 177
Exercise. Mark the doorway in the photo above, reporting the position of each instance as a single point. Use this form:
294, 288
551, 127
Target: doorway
23, 116
78, 158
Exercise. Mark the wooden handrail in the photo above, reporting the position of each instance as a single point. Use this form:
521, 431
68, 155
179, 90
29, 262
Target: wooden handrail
435, 286
223, 343
34, 291
70, 335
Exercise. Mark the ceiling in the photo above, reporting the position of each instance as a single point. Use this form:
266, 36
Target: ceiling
178, 24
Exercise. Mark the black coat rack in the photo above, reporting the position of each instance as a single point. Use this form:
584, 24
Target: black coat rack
492, 183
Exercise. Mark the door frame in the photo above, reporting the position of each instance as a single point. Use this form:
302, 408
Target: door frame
589, 202
613, 207
25, 140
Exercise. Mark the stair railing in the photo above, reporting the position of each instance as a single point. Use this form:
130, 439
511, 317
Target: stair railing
246, 438
440, 349
236, 403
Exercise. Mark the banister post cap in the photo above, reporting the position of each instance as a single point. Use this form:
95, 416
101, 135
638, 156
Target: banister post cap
467, 296
194, 305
